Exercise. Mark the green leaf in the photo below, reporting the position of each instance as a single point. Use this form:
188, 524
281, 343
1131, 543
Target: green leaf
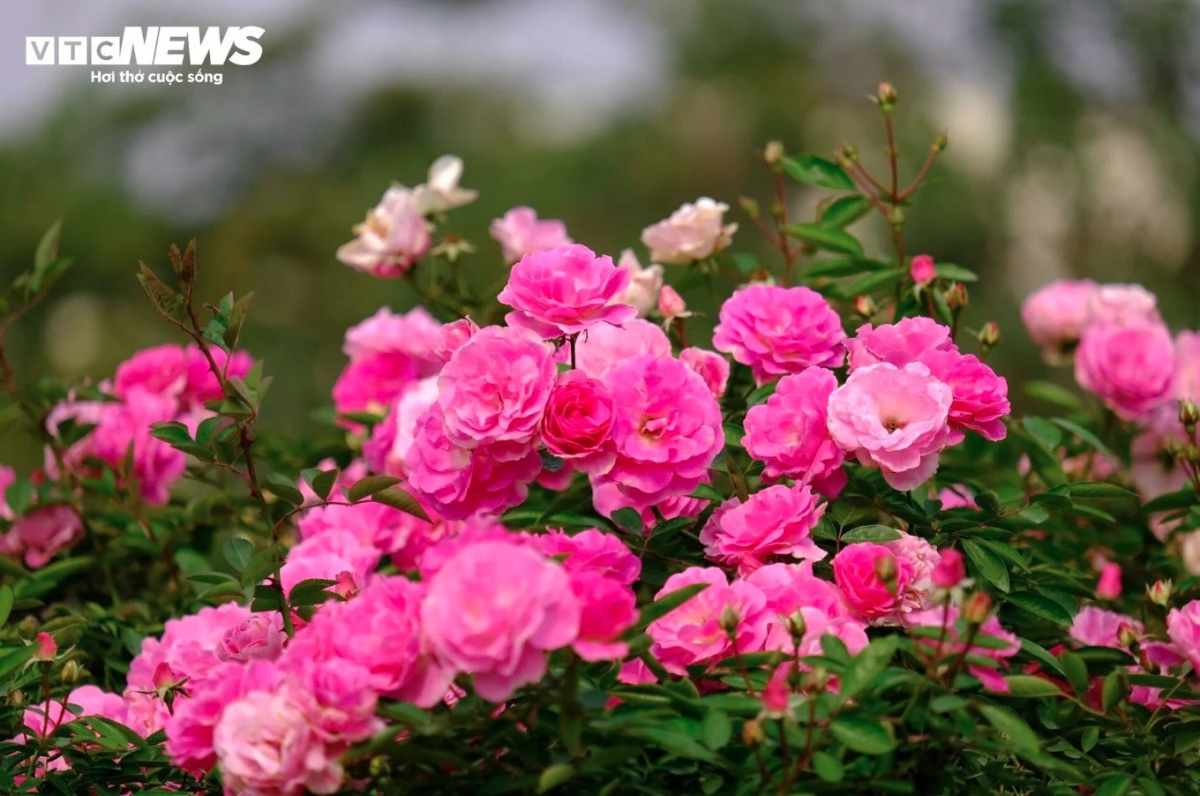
826, 238
369, 486
1075, 670
283, 487
1030, 687
870, 283
842, 267
871, 533
47, 249
1115, 785
845, 210
813, 170
313, 591
629, 519
1097, 489
397, 498
235, 319
865, 667
1112, 691
6, 604
14, 659
828, 767
863, 735
707, 492
1053, 394
1089, 739
1085, 435
1042, 607
673, 741
238, 552
955, 272
555, 775
716, 729
1043, 431
1020, 736
990, 566
668, 603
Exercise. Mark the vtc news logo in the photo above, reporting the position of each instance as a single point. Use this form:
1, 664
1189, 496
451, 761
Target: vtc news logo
152, 46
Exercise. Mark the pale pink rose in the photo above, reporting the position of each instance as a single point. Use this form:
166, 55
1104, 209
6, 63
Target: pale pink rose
948, 646
607, 609
605, 346
43, 717
1131, 368
1122, 305
671, 305
565, 291
894, 419
390, 440
980, 396
792, 589
950, 569
776, 521
644, 283
592, 550
494, 610
1187, 377
441, 191
777, 331
1153, 470
339, 700
325, 556
520, 233
42, 533
924, 559
1109, 587
696, 231
958, 496
922, 269
789, 433
858, 570
607, 498
897, 343
415, 333
1056, 315
259, 636
454, 336
1183, 628
667, 430
711, 366
495, 388
578, 422
1096, 627
394, 235
161, 370
692, 633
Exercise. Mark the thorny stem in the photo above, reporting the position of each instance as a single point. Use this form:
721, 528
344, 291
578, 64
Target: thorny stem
789, 257
571, 339
921, 175
893, 158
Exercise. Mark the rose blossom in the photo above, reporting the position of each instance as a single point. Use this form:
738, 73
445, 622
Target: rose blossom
1187, 377
775, 521
327, 555
922, 269
592, 550
897, 343
792, 589
644, 283
608, 498
495, 388
259, 636
895, 419
951, 645
607, 609
857, 571
494, 610
667, 429
578, 422
1109, 586
1056, 315
693, 232
520, 232
671, 305
1153, 469
924, 559
605, 346
790, 436
454, 336
564, 291
125, 425
958, 496
692, 633
414, 333
950, 569
1122, 305
1096, 627
394, 235
41, 533
390, 440
1183, 628
1131, 368
441, 191
980, 396
777, 331
161, 370
711, 366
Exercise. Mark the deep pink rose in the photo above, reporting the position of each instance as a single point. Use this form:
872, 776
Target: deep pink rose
454, 336
520, 232
41, 533
607, 609
1131, 367
390, 440
371, 383
950, 569
922, 269
792, 589
1183, 628
578, 422
415, 333
711, 366
592, 550
777, 331
857, 571
565, 291
980, 396
776, 521
897, 343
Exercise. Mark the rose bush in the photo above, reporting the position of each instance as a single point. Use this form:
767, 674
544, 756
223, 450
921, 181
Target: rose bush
550, 541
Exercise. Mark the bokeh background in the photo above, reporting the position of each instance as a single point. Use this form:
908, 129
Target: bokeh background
1073, 128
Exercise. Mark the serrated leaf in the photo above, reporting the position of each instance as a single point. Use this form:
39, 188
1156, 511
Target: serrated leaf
1112, 690
815, 170
238, 552
826, 238
866, 667
283, 487
1075, 670
237, 317
863, 735
1043, 431
397, 498
1115, 785
312, 591
871, 533
989, 565
47, 248
555, 775
370, 485
1053, 394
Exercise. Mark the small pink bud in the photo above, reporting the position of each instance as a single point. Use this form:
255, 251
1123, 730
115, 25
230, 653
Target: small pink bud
46, 648
775, 697
165, 677
1160, 592
950, 570
670, 303
344, 585
1109, 587
865, 306
978, 608
922, 269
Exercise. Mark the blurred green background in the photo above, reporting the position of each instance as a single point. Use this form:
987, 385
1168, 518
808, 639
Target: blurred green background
1072, 126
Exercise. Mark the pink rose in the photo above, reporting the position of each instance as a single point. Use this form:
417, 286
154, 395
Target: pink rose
1097, 627
161, 370
950, 569
125, 425
606, 346
922, 269
777, 331
924, 559
1122, 305
1154, 470
1109, 587
693, 232
980, 396
792, 589
520, 232
390, 440
958, 496
325, 556
1187, 377
671, 305
1131, 368
42, 533
692, 633
607, 609
414, 333
1183, 628
894, 419
454, 336
667, 430
950, 645
607, 498
564, 291
494, 610
495, 388
578, 422
898, 343
592, 550
711, 366
259, 636
789, 433
776, 521
371, 383
1056, 315
644, 283
871, 578
394, 235
202, 384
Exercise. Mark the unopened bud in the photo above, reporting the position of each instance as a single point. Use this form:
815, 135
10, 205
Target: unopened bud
1189, 415
815, 680
797, 626
775, 697
922, 269
1173, 448
1160, 592
989, 336
849, 153
865, 306
956, 296
949, 570
71, 673
670, 303
886, 571
887, 97
729, 620
46, 647
1128, 635
16, 698
896, 217
1191, 453
773, 154
1109, 586
752, 733
977, 608
939, 143
749, 206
